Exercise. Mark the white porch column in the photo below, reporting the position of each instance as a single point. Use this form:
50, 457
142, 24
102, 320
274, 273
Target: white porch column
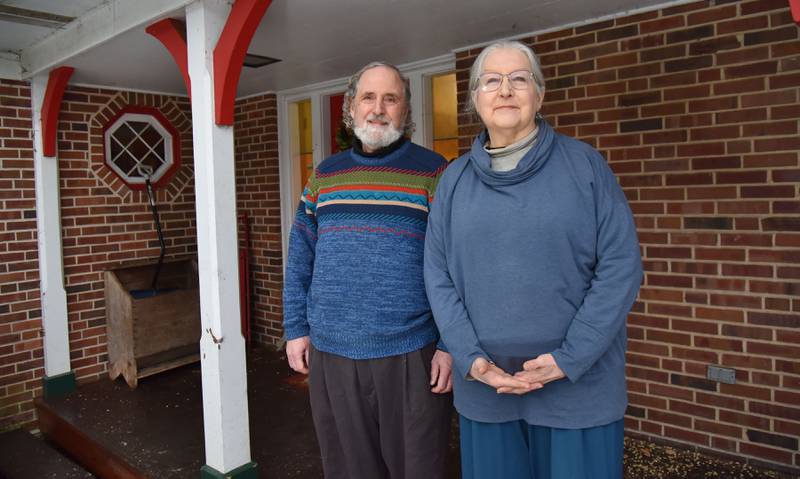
222, 347
58, 376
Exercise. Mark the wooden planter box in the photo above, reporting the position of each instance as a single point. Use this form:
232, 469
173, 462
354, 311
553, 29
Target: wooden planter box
147, 335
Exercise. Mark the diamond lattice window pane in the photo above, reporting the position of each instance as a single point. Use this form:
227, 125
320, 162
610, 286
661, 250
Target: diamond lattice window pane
152, 161
150, 136
159, 150
127, 163
138, 148
124, 134
138, 126
116, 148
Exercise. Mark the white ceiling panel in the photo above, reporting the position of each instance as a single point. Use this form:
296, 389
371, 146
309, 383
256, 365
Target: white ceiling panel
17, 36
322, 40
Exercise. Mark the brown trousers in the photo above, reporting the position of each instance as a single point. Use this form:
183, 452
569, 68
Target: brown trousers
377, 418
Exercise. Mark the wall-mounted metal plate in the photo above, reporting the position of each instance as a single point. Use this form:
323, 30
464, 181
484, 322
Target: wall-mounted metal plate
721, 374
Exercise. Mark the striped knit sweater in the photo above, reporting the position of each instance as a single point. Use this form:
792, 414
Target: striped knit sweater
354, 279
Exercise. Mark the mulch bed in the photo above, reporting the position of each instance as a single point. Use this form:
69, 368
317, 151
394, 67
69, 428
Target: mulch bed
647, 460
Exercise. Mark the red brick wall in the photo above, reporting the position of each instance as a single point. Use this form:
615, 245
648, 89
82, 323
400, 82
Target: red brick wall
21, 355
696, 108
258, 194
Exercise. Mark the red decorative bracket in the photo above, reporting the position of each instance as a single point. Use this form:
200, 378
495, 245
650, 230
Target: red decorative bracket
795, 6
172, 34
229, 54
51, 106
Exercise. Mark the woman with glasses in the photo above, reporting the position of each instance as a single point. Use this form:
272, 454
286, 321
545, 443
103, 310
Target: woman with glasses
531, 266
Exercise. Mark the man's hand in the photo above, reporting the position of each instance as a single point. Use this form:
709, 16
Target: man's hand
488, 373
441, 372
540, 371
297, 353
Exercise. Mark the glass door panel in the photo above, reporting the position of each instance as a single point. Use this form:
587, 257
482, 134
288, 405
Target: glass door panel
445, 115
301, 141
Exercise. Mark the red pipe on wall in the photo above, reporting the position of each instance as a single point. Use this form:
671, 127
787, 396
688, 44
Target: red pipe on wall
244, 274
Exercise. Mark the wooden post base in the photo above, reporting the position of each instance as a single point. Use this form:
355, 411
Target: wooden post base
247, 471
58, 385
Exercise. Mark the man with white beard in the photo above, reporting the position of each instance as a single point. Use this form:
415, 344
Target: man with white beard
356, 316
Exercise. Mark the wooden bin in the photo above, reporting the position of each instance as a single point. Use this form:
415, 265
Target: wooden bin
148, 335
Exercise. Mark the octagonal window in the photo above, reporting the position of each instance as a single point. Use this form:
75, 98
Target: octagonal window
140, 143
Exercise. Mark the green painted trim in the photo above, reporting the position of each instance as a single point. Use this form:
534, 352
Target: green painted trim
246, 471
60, 385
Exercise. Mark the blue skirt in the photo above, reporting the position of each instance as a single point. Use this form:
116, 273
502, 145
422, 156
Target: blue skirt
516, 450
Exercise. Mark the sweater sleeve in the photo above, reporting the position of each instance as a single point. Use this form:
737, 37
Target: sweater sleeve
614, 285
431, 192
300, 263
449, 313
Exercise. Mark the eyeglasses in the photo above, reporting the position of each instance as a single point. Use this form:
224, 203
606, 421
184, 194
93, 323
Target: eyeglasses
519, 80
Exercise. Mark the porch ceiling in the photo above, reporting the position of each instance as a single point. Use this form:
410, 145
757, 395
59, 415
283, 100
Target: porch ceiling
17, 35
315, 40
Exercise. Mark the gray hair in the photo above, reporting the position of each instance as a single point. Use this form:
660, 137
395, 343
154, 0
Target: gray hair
477, 68
352, 89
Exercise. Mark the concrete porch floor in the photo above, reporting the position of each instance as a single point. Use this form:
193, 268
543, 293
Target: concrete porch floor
157, 429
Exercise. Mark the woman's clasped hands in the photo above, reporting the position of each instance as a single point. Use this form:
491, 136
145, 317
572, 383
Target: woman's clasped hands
535, 374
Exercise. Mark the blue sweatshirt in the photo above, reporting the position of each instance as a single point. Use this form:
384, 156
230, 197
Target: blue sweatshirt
354, 280
540, 259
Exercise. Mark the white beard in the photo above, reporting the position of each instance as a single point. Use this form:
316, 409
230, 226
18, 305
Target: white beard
376, 137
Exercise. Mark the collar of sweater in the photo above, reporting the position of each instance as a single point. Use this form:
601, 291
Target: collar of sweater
518, 145
506, 158
529, 165
381, 156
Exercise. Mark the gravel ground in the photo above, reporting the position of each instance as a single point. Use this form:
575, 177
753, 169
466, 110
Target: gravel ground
646, 460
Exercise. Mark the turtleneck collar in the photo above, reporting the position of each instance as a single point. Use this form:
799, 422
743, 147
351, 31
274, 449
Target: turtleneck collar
379, 157
530, 163
358, 148
518, 145
506, 158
